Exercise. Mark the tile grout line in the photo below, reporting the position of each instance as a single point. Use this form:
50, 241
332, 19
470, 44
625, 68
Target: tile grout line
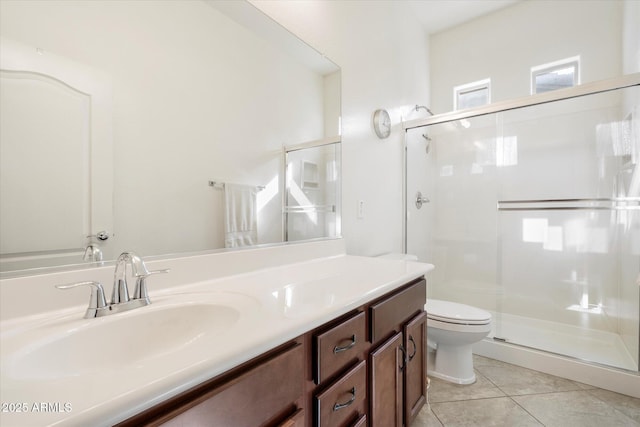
512, 399
428, 388
613, 408
588, 391
525, 410
592, 392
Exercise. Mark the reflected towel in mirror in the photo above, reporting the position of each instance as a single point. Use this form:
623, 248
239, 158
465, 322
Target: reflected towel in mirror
241, 228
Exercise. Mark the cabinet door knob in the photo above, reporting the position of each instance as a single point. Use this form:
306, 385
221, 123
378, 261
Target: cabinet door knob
339, 406
338, 349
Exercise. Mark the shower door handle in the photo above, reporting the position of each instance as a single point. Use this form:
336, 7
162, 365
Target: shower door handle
420, 200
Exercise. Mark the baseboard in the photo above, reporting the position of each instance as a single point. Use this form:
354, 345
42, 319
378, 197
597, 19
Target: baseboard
616, 380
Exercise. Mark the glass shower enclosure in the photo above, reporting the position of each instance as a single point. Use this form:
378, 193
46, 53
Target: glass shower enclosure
311, 208
533, 214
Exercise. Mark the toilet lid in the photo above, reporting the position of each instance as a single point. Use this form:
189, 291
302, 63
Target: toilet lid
453, 312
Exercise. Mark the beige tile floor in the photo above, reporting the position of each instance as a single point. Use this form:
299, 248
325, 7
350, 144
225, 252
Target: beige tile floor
508, 395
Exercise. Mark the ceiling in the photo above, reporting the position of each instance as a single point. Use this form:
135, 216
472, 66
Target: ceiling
437, 15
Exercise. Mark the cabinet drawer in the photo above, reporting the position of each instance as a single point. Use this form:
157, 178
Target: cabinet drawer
389, 314
345, 400
295, 420
257, 397
361, 422
338, 347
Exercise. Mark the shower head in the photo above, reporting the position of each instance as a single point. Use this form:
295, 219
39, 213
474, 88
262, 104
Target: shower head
418, 107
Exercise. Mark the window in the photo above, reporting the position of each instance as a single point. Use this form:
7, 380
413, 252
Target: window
555, 75
472, 94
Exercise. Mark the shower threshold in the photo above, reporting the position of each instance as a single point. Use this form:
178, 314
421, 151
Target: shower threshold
595, 346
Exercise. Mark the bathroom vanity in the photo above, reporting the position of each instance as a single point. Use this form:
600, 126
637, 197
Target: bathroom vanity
290, 335
367, 364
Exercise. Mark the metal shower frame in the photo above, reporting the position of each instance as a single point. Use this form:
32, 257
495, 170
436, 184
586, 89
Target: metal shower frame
600, 86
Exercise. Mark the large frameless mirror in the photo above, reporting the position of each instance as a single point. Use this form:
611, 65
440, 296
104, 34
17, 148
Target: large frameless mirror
128, 125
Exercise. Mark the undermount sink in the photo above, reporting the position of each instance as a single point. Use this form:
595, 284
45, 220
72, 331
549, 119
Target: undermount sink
122, 340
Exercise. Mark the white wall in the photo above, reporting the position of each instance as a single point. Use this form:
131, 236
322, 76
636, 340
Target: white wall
504, 45
383, 54
631, 36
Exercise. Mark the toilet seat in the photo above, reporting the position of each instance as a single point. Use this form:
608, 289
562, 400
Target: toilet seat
451, 312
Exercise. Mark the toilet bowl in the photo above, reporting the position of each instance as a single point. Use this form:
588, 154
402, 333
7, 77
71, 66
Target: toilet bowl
452, 329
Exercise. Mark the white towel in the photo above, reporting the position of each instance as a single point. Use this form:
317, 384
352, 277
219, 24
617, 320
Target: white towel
240, 215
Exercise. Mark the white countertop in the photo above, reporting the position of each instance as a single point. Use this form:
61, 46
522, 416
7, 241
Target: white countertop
276, 304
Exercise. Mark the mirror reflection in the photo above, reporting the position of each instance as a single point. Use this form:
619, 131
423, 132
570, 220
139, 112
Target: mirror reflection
159, 127
312, 191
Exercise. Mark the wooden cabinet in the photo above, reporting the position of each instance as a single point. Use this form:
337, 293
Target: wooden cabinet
265, 392
345, 400
415, 371
386, 364
390, 313
338, 347
398, 363
339, 364
295, 420
360, 422
398, 376
365, 368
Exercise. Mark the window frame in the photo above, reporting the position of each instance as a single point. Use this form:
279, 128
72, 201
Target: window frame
550, 67
471, 87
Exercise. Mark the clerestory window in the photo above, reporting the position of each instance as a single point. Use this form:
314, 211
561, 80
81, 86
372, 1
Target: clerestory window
471, 95
555, 75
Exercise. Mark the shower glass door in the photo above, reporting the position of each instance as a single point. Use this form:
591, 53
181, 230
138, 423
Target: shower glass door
534, 215
568, 227
453, 165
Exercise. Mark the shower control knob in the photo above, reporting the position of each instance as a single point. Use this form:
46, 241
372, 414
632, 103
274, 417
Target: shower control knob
420, 200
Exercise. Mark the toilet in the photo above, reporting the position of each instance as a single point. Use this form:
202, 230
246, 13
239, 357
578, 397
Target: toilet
452, 329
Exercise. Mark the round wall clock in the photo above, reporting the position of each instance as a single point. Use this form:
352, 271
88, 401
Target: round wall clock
382, 123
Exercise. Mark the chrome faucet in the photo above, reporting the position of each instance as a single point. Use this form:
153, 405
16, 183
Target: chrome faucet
120, 300
120, 293
92, 253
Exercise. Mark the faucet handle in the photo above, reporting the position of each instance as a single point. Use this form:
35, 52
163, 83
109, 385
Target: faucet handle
97, 300
140, 291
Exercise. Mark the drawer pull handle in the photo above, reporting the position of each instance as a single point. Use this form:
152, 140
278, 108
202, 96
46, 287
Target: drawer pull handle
415, 348
337, 349
339, 406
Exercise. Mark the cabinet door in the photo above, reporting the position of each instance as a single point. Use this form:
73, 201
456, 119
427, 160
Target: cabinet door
415, 373
387, 364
